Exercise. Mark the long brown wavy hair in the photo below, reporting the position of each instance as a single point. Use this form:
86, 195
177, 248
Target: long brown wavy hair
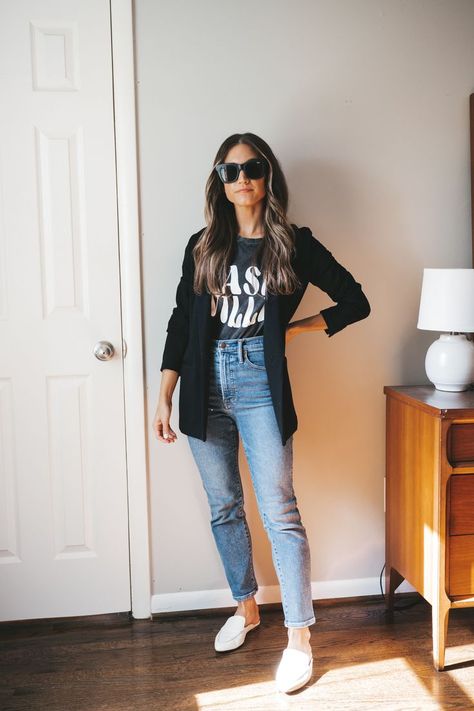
214, 249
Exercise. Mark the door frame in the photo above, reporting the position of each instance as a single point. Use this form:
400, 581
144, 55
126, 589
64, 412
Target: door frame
123, 71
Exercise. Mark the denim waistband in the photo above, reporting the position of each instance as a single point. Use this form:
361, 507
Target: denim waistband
233, 345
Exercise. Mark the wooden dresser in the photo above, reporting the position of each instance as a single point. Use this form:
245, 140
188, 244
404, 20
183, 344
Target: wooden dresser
429, 519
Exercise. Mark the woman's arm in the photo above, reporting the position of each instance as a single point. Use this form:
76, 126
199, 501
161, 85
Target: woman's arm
178, 324
324, 271
173, 352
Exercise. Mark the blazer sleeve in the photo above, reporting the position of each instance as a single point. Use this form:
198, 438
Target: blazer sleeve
325, 272
178, 324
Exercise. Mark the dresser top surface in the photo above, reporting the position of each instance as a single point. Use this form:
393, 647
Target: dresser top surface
439, 401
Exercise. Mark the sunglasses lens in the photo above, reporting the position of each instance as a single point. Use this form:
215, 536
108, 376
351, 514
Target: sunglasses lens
255, 169
228, 172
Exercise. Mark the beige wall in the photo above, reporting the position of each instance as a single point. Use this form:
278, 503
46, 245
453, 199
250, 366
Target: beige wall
366, 105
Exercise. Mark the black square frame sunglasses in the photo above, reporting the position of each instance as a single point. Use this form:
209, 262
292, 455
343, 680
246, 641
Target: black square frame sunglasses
254, 168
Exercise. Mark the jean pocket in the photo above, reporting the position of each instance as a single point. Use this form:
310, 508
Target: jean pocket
255, 359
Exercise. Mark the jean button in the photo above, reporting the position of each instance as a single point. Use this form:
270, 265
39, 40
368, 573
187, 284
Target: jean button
222, 345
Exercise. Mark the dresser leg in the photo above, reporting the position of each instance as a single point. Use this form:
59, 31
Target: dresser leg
440, 618
392, 580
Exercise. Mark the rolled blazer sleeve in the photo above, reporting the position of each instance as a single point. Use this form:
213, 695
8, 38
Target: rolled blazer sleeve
325, 272
178, 324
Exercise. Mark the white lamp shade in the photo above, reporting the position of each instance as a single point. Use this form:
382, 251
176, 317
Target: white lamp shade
447, 300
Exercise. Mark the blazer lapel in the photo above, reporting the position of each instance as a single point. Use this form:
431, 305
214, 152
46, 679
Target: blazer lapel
272, 341
202, 304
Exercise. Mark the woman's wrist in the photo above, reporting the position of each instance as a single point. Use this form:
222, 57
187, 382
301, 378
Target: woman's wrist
169, 379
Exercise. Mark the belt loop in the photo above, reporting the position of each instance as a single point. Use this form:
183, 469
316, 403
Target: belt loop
241, 356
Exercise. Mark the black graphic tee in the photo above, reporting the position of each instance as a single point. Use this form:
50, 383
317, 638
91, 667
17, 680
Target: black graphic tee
241, 313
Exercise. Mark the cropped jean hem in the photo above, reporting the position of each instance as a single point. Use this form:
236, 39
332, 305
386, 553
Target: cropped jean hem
246, 597
308, 622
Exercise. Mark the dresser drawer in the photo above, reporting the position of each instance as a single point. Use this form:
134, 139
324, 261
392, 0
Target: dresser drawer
461, 504
461, 565
460, 443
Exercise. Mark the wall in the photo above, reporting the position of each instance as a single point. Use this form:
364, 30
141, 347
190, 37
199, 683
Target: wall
366, 106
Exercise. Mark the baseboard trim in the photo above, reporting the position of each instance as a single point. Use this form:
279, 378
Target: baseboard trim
214, 599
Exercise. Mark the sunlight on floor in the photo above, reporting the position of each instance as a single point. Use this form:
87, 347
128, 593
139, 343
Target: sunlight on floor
392, 682
461, 677
246, 696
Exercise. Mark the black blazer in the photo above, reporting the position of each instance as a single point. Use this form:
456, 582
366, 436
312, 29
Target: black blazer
187, 345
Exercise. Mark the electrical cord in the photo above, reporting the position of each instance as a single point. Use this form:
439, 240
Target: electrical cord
398, 608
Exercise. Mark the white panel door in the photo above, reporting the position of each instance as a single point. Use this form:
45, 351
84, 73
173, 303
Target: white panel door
64, 547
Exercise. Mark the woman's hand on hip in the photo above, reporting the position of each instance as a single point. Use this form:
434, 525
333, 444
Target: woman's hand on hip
311, 323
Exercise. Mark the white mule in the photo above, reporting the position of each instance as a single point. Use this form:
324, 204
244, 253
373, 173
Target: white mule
294, 670
232, 634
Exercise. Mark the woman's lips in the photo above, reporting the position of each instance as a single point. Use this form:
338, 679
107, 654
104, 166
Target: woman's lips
245, 190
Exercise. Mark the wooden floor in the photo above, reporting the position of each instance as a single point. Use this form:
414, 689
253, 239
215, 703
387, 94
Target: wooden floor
362, 660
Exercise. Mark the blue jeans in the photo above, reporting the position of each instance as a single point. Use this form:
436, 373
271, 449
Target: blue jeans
240, 402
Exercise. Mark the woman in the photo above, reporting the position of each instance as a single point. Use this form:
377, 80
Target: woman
243, 277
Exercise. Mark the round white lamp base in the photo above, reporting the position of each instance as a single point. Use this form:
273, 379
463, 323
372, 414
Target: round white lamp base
449, 362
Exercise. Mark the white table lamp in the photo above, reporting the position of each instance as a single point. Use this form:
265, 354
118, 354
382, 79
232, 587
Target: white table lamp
447, 304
